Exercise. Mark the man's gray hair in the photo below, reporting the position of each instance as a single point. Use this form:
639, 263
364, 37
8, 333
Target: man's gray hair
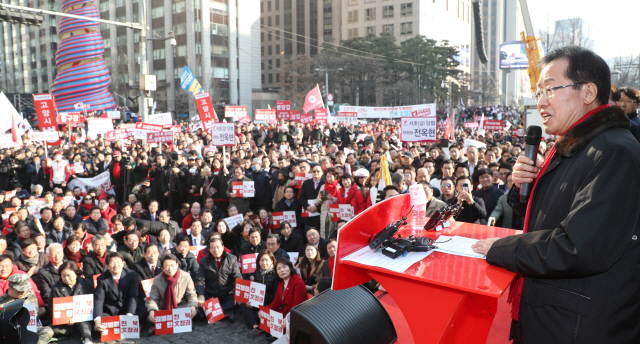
52, 246
397, 179
98, 237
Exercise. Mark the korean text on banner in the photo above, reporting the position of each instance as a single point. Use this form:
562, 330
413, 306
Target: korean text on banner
189, 83
46, 110
161, 137
341, 211
102, 180
120, 327
234, 220
306, 118
74, 309
347, 116
99, 126
119, 134
243, 189
213, 310
265, 115
321, 116
235, 112
149, 127
299, 178
250, 292
248, 263
294, 115
70, 117
271, 322
418, 129
161, 118
222, 134
177, 320
44, 136
424, 111
471, 125
388, 112
493, 125
279, 217
205, 110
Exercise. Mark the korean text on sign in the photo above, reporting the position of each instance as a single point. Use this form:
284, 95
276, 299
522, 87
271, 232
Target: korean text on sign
250, 292
213, 310
74, 309
249, 263
271, 322
177, 320
243, 189
120, 327
222, 134
418, 129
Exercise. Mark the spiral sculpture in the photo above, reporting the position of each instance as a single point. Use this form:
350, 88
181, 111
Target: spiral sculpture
82, 74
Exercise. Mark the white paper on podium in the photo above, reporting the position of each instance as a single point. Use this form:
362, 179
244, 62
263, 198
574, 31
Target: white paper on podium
457, 245
367, 256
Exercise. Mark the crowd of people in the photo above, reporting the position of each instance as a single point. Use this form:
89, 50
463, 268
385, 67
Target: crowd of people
166, 200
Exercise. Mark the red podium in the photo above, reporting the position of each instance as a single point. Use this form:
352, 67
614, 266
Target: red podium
444, 298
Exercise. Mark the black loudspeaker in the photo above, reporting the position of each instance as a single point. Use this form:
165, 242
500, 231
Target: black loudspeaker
13, 324
477, 18
349, 316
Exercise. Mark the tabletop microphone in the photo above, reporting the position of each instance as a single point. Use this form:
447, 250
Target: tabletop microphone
532, 141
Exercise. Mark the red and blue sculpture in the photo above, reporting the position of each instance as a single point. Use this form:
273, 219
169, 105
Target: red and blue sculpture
82, 74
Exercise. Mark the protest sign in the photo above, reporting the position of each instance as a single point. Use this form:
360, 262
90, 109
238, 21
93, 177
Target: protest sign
113, 114
249, 263
102, 180
161, 137
250, 292
235, 112
294, 115
33, 318
70, 117
388, 112
46, 110
293, 257
119, 134
146, 286
177, 320
306, 118
161, 118
234, 220
279, 217
265, 115
299, 178
469, 142
425, 112
493, 125
222, 134
271, 322
205, 110
74, 309
341, 211
418, 129
149, 127
42, 136
213, 310
305, 213
243, 189
471, 125
120, 327
99, 126
321, 116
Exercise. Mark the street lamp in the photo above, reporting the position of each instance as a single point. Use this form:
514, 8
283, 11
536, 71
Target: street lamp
326, 79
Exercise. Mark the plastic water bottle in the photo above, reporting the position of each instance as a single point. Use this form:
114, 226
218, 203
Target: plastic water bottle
418, 214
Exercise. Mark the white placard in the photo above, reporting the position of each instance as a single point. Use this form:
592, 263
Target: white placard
222, 134
182, 315
99, 126
161, 118
391, 111
234, 220
293, 257
113, 114
418, 129
469, 142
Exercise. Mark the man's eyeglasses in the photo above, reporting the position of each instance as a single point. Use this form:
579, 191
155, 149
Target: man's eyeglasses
630, 101
549, 91
316, 171
446, 185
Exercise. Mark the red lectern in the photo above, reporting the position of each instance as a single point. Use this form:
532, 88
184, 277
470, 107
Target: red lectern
444, 298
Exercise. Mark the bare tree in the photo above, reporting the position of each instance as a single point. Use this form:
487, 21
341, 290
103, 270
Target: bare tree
299, 77
628, 68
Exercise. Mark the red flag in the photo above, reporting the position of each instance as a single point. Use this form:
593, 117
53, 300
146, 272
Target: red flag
14, 131
448, 130
313, 100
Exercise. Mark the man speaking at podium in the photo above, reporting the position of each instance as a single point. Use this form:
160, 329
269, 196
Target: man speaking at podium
579, 257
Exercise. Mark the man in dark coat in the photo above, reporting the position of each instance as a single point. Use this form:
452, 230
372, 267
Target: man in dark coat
116, 291
95, 262
187, 261
95, 223
48, 275
161, 174
262, 187
217, 276
489, 193
308, 197
579, 253
131, 250
472, 207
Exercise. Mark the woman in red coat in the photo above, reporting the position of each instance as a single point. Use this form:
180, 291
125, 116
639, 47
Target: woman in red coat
351, 194
291, 290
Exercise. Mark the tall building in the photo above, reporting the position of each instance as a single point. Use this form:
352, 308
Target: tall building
296, 27
217, 39
568, 32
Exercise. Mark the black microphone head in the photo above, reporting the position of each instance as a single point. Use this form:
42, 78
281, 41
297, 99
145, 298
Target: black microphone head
533, 135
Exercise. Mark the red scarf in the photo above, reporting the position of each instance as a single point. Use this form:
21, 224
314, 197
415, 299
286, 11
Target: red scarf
515, 293
351, 193
331, 267
170, 300
86, 206
332, 188
113, 206
76, 257
116, 171
102, 259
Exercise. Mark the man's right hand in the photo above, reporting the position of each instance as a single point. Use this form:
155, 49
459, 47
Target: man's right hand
524, 171
200, 301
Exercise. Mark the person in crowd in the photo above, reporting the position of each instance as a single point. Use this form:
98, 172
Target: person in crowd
255, 244
95, 223
489, 193
164, 242
23, 231
289, 240
242, 203
30, 260
60, 231
172, 289
291, 288
196, 237
351, 194
327, 195
193, 215
71, 283
225, 233
273, 245
265, 274
80, 231
308, 197
433, 204
313, 237
85, 206
145, 269
116, 291
473, 209
95, 262
131, 251
323, 284
217, 277
186, 260
328, 267
310, 265
290, 203
503, 215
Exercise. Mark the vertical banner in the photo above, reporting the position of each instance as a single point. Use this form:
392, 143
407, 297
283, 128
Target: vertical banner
46, 110
283, 107
189, 83
205, 110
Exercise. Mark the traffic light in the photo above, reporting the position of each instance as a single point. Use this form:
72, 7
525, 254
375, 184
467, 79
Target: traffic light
20, 18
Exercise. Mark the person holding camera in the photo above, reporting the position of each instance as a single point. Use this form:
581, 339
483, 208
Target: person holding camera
473, 209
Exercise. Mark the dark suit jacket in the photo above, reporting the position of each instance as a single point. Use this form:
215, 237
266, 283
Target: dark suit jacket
143, 271
202, 240
294, 244
307, 192
110, 299
91, 266
147, 216
322, 249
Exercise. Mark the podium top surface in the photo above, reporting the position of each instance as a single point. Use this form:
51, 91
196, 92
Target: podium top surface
473, 275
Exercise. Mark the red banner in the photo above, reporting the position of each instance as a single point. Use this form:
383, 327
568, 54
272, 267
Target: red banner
271, 322
322, 116
249, 263
493, 125
243, 290
283, 115
119, 134
213, 310
149, 127
422, 113
163, 136
300, 178
206, 111
283, 108
70, 117
471, 125
294, 116
306, 118
177, 320
46, 110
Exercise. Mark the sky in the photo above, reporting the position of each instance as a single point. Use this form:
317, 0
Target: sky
615, 24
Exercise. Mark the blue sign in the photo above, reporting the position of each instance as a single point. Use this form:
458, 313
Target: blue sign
189, 83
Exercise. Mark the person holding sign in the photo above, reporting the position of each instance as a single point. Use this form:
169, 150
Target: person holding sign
265, 274
308, 194
311, 266
350, 194
290, 241
171, 289
19, 289
71, 284
116, 291
290, 203
291, 289
217, 277
242, 203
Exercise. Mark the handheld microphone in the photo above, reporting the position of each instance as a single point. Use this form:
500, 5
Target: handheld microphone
532, 141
